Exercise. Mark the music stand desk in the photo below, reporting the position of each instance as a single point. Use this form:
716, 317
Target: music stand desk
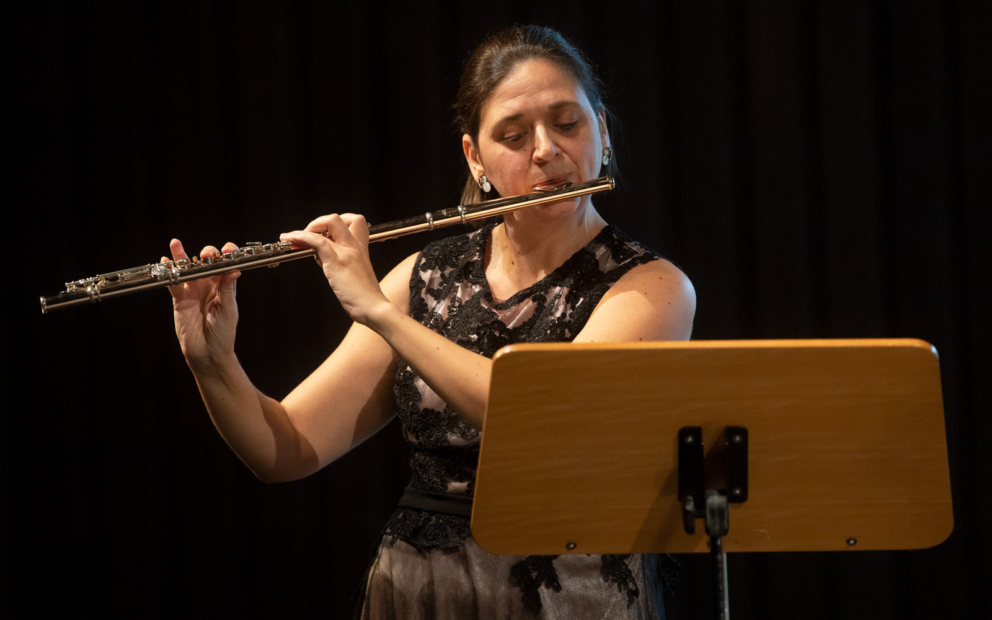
846, 445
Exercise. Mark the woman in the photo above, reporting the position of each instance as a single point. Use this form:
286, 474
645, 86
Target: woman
422, 341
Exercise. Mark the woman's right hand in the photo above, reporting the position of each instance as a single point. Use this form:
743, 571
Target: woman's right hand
206, 311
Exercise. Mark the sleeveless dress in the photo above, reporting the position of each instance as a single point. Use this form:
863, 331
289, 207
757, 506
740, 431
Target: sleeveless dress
427, 564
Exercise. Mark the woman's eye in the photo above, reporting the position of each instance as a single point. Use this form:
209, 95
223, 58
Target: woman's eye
567, 126
513, 137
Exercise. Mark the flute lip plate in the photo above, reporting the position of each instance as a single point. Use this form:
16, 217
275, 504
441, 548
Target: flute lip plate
552, 188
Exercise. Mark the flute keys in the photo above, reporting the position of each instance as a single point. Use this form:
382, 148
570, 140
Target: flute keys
164, 271
170, 273
159, 271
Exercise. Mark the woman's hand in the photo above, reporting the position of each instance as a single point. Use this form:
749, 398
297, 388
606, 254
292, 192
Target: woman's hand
206, 311
344, 258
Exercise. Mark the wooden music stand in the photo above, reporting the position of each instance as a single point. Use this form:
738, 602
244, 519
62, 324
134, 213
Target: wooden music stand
585, 448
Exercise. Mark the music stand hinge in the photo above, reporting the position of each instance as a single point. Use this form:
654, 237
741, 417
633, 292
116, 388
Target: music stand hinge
703, 483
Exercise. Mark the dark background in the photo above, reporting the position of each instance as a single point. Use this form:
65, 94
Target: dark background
817, 169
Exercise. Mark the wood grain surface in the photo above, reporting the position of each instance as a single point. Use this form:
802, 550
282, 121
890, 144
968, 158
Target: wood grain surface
846, 442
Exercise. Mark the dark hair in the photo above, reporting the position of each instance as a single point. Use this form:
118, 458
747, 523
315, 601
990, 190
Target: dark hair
495, 59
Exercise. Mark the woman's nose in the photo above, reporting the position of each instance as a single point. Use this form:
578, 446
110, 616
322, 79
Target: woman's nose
544, 145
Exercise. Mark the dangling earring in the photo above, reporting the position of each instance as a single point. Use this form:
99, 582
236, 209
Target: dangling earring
484, 184
607, 155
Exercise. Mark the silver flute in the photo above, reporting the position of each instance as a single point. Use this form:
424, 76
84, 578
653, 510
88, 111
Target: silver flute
254, 254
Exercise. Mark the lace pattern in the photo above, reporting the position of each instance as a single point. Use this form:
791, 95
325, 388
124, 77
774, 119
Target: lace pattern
449, 294
530, 574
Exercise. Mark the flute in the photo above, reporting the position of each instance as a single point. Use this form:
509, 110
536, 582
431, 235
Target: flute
255, 254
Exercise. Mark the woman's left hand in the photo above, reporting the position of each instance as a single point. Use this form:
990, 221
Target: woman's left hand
344, 258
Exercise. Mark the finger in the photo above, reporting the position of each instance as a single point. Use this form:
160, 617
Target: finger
164, 260
320, 224
209, 252
229, 247
178, 253
357, 225
228, 287
340, 233
326, 223
306, 239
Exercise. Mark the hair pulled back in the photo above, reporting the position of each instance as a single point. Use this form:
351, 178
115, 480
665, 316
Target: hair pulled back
495, 59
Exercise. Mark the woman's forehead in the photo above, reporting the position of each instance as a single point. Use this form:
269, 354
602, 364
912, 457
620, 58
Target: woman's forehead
533, 86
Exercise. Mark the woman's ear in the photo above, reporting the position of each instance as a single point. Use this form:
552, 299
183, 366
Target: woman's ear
472, 157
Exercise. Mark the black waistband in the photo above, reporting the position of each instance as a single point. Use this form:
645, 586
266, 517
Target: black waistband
443, 503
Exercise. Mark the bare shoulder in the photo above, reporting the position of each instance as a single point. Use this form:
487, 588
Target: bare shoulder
653, 301
656, 279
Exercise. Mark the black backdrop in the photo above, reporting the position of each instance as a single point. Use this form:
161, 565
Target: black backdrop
817, 169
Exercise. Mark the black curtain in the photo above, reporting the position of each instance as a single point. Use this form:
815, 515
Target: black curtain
818, 169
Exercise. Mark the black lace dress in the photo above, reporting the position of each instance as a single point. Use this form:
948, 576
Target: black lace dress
428, 565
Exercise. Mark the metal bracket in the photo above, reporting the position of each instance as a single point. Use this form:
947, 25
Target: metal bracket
735, 449
708, 492
700, 500
692, 492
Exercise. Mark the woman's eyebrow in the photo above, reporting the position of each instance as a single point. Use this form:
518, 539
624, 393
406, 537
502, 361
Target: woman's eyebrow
511, 117
554, 106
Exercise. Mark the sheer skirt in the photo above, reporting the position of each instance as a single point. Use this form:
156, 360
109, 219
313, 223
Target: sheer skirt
466, 582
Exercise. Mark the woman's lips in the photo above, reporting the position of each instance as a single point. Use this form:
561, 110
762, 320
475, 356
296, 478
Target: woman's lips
552, 181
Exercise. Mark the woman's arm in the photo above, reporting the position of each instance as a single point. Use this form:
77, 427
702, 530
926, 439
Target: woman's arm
356, 382
458, 376
342, 403
654, 301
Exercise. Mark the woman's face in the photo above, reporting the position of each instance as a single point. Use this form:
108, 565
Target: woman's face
537, 129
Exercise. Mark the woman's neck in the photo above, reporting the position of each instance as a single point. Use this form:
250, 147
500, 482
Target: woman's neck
529, 246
